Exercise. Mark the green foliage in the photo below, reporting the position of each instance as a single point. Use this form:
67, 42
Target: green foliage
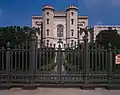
21, 60
73, 60
14, 35
108, 36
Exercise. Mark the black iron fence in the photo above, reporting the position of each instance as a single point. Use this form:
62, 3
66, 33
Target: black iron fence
83, 64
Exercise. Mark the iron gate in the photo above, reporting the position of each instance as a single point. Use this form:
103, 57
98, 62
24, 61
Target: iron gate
65, 67
81, 64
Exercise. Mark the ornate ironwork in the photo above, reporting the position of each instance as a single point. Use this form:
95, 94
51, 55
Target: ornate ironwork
83, 66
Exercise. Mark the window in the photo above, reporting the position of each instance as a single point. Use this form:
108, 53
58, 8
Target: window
72, 13
72, 21
47, 13
48, 21
47, 32
60, 29
72, 32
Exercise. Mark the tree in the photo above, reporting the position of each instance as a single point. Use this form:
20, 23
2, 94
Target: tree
14, 35
108, 36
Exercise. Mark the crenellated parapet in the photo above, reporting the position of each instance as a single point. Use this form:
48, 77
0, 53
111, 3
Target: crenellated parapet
48, 7
72, 7
59, 13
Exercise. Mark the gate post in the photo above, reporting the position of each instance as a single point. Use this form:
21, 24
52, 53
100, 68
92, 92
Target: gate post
110, 64
86, 61
59, 67
8, 62
32, 64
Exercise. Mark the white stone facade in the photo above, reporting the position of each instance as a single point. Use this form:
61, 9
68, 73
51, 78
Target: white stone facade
98, 28
60, 25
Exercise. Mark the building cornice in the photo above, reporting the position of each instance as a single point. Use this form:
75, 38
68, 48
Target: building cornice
59, 13
37, 17
71, 38
106, 26
82, 17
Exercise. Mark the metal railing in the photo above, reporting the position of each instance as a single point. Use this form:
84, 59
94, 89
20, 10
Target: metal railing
85, 64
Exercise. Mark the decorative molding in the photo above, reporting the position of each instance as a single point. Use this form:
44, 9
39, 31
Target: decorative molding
37, 17
71, 38
82, 17
59, 13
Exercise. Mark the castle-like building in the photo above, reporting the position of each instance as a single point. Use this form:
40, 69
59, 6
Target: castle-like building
63, 27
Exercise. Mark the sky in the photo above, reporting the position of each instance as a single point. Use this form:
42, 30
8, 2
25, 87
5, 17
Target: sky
20, 12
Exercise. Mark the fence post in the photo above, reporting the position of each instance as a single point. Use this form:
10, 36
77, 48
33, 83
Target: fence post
110, 63
59, 60
8, 62
32, 63
86, 62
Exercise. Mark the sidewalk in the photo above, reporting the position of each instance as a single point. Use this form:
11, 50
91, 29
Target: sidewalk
59, 91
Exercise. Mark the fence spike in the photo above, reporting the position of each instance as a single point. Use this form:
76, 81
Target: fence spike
95, 45
64, 46
22, 45
71, 44
47, 44
3, 47
8, 44
59, 46
19, 46
50, 44
109, 45
99, 46
67, 45
75, 43
54, 45
103, 47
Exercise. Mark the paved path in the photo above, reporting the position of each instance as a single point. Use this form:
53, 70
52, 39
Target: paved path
59, 91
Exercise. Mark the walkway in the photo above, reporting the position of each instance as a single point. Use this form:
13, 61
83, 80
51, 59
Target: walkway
59, 91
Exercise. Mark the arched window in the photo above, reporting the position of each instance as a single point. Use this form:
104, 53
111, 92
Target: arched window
60, 29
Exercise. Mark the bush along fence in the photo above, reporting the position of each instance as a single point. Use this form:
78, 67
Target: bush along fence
85, 64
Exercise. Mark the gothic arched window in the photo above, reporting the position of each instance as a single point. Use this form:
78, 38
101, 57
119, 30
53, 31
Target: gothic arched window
60, 29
